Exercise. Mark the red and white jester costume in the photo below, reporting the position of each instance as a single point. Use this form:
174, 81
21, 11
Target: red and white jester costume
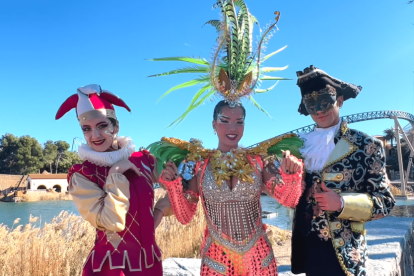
118, 205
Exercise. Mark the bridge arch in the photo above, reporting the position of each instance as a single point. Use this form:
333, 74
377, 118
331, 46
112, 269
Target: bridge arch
57, 188
365, 116
41, 187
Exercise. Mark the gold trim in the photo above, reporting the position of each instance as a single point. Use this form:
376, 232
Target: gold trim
98, 113
335, 177
352, 149
336, 225
358, 227
262, 148
357, 207
338, 255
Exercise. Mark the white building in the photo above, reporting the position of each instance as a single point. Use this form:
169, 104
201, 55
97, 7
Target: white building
57, 182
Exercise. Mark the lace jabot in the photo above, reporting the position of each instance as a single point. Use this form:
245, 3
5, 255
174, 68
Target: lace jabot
317, 146
127, 147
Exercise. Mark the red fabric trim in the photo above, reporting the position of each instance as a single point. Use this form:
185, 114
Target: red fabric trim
114, 100
67, 105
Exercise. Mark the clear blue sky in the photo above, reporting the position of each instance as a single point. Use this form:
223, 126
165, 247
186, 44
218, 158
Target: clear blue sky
49, 48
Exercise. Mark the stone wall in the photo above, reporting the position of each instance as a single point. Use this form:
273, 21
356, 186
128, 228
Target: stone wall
9, 180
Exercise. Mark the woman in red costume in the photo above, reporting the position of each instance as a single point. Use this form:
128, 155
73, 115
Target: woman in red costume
113, 189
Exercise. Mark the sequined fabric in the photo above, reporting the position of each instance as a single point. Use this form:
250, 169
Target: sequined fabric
233, 215
218, 260
184, 204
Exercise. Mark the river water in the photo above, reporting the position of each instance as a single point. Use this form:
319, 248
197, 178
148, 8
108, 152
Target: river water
47, 210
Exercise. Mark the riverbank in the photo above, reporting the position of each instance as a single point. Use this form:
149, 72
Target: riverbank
33, 196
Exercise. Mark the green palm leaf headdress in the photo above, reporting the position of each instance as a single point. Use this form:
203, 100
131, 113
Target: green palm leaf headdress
234, 71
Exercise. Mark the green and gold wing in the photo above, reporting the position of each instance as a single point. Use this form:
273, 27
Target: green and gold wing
275, 146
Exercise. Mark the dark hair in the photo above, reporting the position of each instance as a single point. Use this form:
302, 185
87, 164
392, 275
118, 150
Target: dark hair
219, 107
114, 122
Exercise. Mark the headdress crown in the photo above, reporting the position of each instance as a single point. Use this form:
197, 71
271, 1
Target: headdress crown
235, 68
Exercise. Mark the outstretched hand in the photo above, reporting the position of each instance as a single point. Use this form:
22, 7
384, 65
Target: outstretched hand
290, 164
328, 200
170, 173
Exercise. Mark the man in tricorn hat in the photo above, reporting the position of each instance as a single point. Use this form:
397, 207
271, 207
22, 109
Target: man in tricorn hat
346, 183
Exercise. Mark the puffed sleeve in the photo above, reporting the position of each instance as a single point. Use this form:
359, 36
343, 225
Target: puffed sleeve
106, 208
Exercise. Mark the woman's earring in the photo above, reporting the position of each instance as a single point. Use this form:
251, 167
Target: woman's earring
215, 132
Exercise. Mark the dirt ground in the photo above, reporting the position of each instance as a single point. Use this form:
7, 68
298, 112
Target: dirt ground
281, 242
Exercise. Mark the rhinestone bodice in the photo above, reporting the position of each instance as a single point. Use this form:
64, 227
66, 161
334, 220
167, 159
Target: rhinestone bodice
233, 215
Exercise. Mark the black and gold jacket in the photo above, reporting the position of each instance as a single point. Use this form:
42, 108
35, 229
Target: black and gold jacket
356, 170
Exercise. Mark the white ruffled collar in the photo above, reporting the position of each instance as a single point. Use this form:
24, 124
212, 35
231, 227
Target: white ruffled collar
317, 146
108, 159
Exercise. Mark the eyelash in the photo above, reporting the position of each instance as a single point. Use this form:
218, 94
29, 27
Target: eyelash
99, 127
226, 122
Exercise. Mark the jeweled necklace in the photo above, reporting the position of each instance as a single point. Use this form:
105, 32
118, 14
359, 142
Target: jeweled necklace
232, 163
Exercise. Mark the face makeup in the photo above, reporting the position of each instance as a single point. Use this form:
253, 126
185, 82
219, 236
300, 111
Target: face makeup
99, 133
229, 127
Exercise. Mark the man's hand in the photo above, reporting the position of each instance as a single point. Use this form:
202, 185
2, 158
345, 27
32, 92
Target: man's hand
328, 200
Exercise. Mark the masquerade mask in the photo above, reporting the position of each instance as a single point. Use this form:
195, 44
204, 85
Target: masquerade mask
322, 100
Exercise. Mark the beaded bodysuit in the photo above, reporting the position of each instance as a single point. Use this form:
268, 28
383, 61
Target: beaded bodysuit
235, 241
233, 216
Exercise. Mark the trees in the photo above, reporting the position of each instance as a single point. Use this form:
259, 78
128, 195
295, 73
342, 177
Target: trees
49, 154
62, 148
389, 134
8, 152
29, 155
20, 155
24, 155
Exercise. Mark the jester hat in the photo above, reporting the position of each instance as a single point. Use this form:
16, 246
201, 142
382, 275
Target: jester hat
91, 102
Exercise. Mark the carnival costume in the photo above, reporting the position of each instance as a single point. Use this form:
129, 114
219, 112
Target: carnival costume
235, 241
119, 206
352, 164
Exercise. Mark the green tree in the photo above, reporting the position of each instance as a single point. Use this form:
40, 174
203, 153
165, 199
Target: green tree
8, 154
49, 154
62, 150
389, 135
71, 158
29, 155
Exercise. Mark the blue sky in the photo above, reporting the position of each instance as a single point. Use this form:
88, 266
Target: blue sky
49, 48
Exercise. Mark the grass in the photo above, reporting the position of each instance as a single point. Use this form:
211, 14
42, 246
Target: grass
394, 190
59, 248
62, 246
171, 233
44, 196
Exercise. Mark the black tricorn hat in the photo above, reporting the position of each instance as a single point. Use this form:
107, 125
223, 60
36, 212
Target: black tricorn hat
314, 79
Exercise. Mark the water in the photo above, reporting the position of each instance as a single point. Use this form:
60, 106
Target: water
47, 210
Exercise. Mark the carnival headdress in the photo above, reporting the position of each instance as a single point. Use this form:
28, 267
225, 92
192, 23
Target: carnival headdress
234, 71
91, 102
